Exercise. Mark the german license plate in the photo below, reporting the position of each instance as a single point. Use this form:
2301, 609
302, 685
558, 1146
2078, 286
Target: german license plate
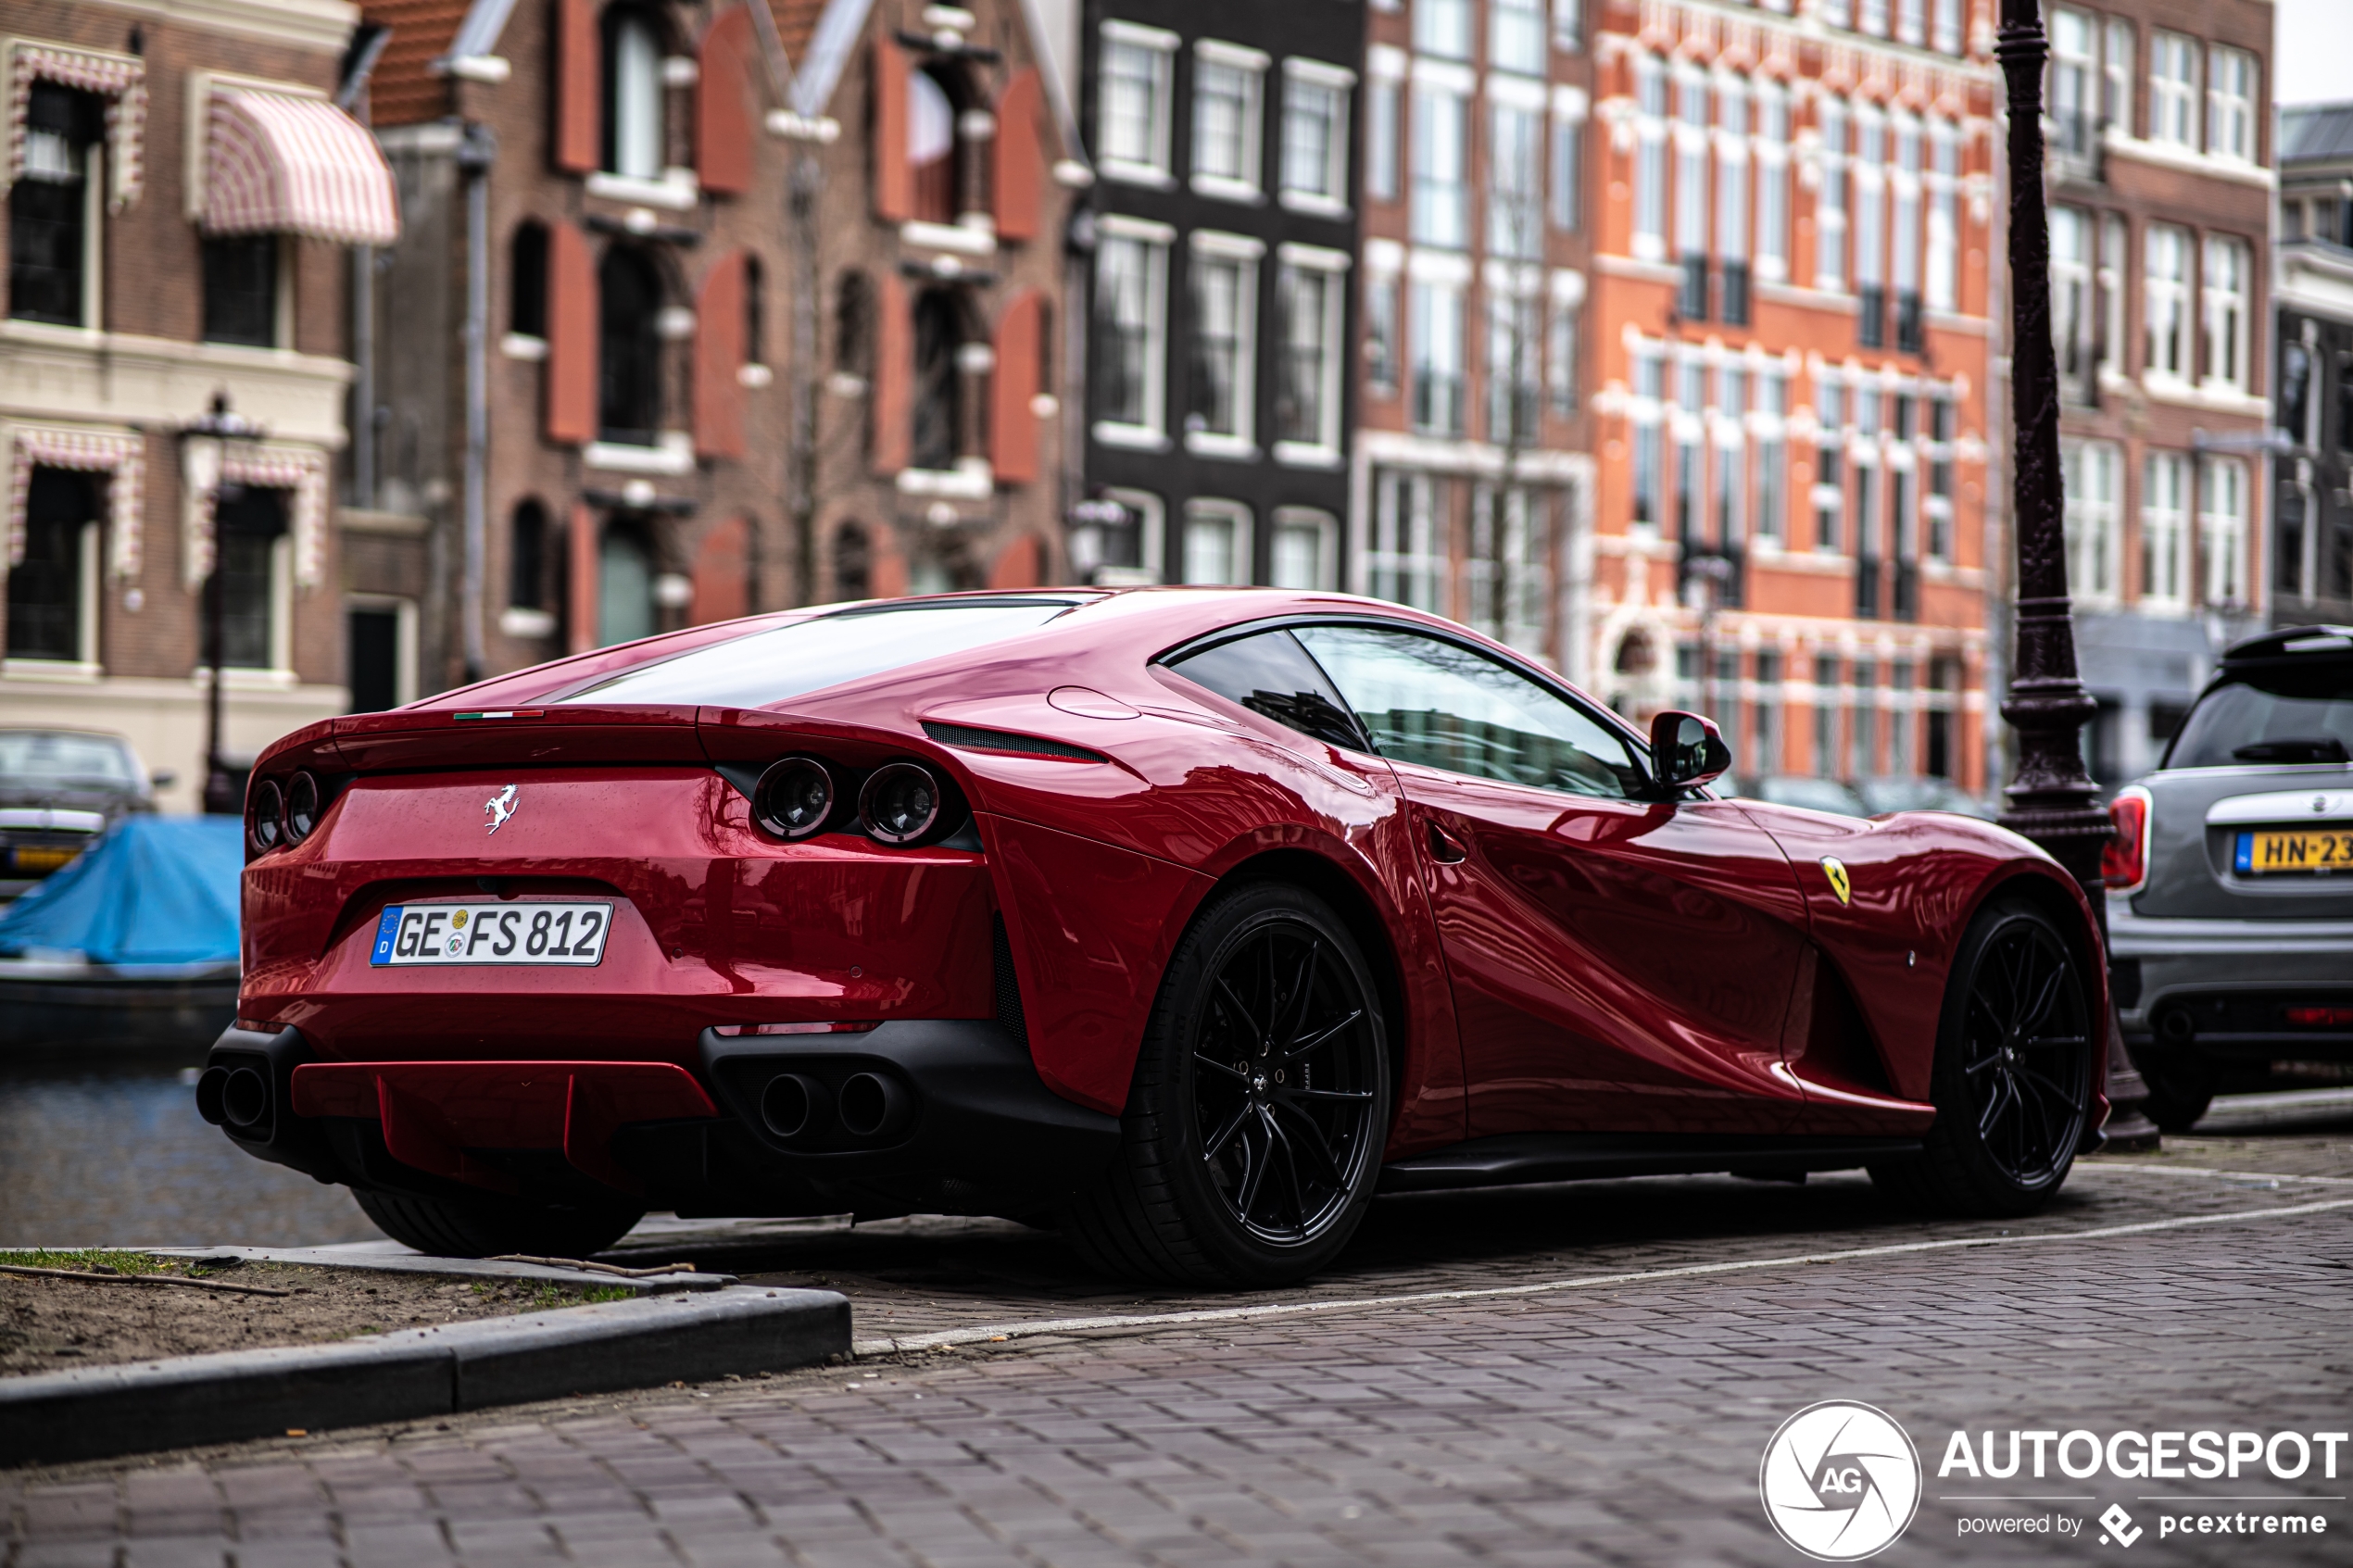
2263, 854
491, 934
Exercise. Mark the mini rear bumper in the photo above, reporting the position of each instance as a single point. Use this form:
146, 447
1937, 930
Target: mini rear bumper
931, 1115
2224, 986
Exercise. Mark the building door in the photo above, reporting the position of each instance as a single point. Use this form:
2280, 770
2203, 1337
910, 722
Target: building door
46, 590
624, 581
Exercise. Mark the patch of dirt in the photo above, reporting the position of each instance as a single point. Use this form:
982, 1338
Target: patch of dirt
56, 1325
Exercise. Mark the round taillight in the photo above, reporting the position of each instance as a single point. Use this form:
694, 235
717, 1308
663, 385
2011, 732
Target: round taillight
302, 806
901, 802
265, 814
794, 797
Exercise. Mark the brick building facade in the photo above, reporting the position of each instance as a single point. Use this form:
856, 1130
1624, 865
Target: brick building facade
2312, 407
175, 236
605, 253
2160, 189
1789, 333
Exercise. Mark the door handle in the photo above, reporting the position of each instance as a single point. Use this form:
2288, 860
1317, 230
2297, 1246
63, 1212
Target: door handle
1444, 847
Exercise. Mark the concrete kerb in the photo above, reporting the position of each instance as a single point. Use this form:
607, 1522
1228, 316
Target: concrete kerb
452, 1267
189, 1401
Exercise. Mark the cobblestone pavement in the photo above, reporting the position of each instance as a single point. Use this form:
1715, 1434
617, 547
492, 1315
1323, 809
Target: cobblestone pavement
1619, 1422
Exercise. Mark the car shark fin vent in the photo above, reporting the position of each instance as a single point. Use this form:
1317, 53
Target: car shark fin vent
966, 737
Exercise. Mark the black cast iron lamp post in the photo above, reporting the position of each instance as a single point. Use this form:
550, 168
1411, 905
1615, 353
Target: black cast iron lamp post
219, 425
2052, 800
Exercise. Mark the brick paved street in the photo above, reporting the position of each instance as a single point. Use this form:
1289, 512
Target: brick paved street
1619, 1422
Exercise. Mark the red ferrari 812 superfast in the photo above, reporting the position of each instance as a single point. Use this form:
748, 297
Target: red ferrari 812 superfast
1186, 919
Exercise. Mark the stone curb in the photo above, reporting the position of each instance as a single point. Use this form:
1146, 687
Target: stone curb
187, 1401
448, 1268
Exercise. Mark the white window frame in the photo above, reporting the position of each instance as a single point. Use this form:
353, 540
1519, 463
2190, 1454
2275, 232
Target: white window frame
1430, 300
1457, 41
1829, 203
1152, 529
1406, 533
1732, 121
2231, 99
2093, 523
635, 85
1529, 15
2223, 287
2164, 533
2165, 303
1771, 152
1650, 176
1239, 556
1333, 265
1439, 167
1153, 240
1942, 290
1293, 522
2075, 83
1514, 186
1384, 123
1335, 84
1242, 253
2173, 90
1159, 46
2222, 534
1249, 68
1693, 99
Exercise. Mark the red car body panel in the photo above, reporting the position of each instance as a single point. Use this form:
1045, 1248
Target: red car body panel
1554, 963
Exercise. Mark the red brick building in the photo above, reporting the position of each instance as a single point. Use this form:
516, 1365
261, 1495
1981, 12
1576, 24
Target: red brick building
606, 263
1791, 349
184, 188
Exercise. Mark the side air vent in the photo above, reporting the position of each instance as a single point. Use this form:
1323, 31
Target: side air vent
1009, 1013
972, 739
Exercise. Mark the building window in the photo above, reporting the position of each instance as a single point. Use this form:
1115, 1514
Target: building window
1515, 181
1380, 141
633, 94
931, 147
2072, 317
1404, 553
2075, 81
1380, 334
2225, 283
1905, 181
2221, 532
1870, 230
527, 280
1515, 365
2115, 240
1947, 35
1648, 411
52, 591
1732, 200
527, 558
1829, 202
938, 382
1305, 552
1650, 167
1940, 478
240, 289
2173, 90
1826, 706
1772, 181
1225, 302
756, 312
1307, 381
853, 563
1767, 711
1228, 89
1509, 578
1215, 546
628, 348
1441, 191
1568, 167
1437, 337
1943, 224
1772, 456
1560, 359
1315, 136
252, 561
1131, 287
1829, 493
1443, 28
2115, 99
1133, 111
55, 207
2166, 299
625, 581
2230, 104
2296, 393
1516, 36
1690, 191
2165, 531
374, 633
1862, 730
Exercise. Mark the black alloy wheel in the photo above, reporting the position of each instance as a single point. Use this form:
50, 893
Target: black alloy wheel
2012, 1081
1260, 1105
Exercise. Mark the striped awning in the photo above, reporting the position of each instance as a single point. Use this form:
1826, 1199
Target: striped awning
279, 164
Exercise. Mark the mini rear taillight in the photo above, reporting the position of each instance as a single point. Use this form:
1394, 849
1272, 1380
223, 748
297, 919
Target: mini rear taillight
265, 817
2124, 859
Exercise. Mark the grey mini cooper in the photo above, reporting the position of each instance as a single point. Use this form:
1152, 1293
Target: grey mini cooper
2230, 878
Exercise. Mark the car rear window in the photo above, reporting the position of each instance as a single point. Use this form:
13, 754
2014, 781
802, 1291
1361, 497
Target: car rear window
49, 756
2283, 715
810, 655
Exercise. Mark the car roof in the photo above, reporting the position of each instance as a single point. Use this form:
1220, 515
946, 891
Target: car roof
2291, 645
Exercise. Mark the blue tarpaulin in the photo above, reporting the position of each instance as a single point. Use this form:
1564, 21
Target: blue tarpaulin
155, 890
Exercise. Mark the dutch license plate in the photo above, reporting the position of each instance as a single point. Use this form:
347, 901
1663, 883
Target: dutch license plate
2328, 849
491, 934
30, 857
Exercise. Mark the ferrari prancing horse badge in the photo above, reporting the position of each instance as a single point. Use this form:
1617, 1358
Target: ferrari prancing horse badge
1835, 869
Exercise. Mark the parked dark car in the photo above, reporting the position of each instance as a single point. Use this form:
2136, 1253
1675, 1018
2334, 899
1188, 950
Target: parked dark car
1924, 794
2230, 878
60, 789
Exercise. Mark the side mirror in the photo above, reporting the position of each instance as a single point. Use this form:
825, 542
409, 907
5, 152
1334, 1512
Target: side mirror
163, 778
1686, 750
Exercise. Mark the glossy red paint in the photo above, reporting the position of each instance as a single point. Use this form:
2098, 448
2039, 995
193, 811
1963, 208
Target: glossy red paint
1555, 963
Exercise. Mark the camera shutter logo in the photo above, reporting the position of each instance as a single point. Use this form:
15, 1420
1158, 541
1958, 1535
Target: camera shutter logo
1841, 1481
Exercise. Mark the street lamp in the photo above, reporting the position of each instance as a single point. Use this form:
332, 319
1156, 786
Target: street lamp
219, 425
2052, 800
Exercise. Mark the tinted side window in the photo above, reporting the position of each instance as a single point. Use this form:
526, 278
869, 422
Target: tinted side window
1444, 705
1270, 673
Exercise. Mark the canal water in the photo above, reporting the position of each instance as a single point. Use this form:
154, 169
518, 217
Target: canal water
112, 1151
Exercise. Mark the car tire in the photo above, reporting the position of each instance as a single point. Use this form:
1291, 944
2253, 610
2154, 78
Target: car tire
2180, 1092
491, 1226
2013, 1079
1249, 1149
